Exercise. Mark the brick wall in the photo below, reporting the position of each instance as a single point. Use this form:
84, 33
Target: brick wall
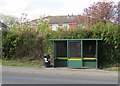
72, 26
50, 28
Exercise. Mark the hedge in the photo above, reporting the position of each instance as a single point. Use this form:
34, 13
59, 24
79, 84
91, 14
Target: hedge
109, 47
32, 45
24, 45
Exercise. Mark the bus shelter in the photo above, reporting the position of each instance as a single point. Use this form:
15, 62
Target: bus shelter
75, 53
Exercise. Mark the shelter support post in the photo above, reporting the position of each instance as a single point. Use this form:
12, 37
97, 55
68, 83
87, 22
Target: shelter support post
96, 53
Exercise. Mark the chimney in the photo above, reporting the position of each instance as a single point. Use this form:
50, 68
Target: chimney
68, 16
72, 15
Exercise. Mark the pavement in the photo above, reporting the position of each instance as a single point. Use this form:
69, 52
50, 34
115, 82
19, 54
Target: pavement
26, 78
60, 71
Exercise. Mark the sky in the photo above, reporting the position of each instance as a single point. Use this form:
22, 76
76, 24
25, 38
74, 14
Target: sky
36, 8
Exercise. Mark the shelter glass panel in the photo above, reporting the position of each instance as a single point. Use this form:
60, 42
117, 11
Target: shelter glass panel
74, 49
61, 49
89, 49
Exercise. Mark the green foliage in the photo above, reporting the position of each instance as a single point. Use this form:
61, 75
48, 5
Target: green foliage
25, 45
72, 34
110, 46
8, 20
43, 26
9, 43
28, 44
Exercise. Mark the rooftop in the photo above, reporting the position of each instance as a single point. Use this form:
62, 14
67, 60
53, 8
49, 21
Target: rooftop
62, 19
74, 39
59, 19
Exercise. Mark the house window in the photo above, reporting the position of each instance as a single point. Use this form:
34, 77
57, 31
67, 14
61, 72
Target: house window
65, 26
54, 27
80, 26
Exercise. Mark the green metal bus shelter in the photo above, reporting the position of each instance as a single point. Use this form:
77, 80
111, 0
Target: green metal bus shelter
75, 53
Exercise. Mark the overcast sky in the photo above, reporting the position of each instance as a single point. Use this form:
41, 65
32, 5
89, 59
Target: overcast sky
36, 8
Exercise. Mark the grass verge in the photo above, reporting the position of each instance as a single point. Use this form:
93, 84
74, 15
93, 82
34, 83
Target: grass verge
21, 64
112, 69
38, 64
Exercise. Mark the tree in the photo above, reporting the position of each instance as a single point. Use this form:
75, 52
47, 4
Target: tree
116, 17
8, 20
43, 25
97, 12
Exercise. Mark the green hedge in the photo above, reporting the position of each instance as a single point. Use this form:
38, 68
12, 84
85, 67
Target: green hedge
24, 45
109, 47
32, 45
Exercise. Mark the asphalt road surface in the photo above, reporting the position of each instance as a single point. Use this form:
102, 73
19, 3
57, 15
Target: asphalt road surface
27, 78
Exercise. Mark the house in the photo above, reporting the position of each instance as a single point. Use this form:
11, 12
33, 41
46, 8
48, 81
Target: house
61, 22
3, 26
66, 22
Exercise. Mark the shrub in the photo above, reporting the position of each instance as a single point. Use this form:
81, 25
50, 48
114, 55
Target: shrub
110, 35
30, 44
24, 45
109, 47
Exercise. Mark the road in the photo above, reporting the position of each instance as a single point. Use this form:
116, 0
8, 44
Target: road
27, 78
